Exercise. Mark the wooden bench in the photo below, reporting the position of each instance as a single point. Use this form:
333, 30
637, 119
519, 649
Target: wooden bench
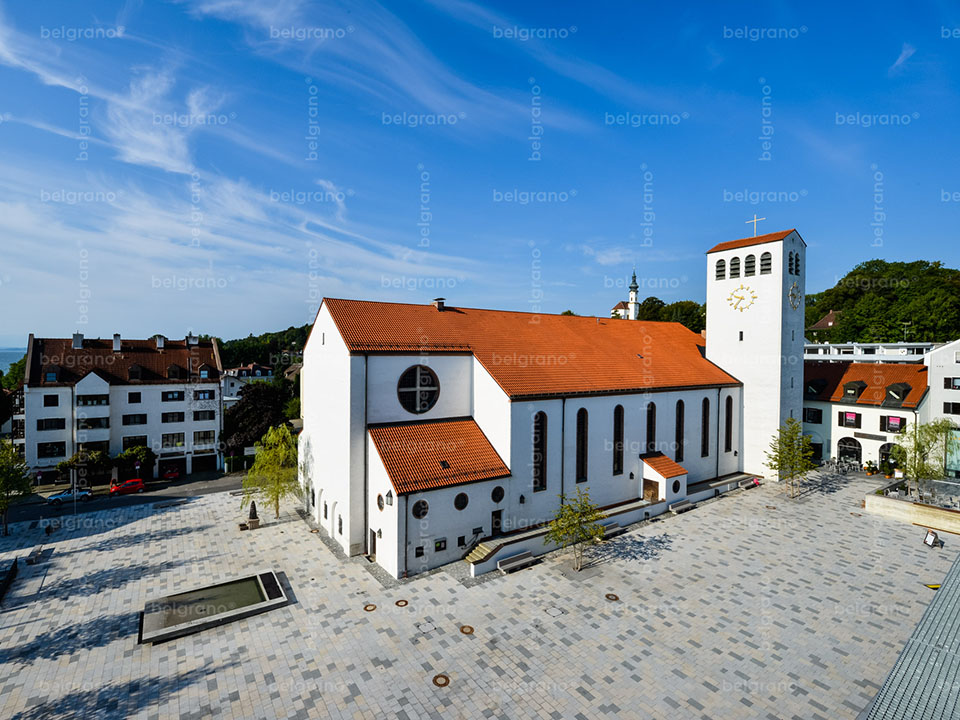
747, 484
679, 507
515, 562
612, 530
34, 557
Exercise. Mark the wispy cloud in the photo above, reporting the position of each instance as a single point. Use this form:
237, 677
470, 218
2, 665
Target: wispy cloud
905, 54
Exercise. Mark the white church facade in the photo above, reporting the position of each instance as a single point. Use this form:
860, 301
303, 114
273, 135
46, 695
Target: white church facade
432, 432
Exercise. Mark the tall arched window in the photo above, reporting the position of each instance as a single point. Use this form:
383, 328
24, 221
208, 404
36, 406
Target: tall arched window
582, 445
721, 269
618, 440
705, 428
766, 263
728, 427
652, 427
678, 455
539, 451
750, 266
734, 267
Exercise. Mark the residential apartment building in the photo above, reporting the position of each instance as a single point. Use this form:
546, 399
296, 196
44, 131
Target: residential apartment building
110, 395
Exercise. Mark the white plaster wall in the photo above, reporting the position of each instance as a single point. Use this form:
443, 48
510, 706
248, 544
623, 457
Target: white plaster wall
33, 410
830, 432
455, 373
941, 363
390, 545
331, 446
492, 411
443, 520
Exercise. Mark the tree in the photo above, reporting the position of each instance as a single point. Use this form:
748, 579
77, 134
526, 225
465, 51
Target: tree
576, 524
92, 464
261, 406
292, 409
790, 454
128, 459
274, 472
923, 450
14, 479
651, 309
569, 312
691, 314
14, 375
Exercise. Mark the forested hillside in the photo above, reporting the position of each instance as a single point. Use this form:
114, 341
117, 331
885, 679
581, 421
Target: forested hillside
876, 298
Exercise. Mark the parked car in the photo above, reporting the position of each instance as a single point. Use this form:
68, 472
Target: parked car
171, 473
67, 496
128, 488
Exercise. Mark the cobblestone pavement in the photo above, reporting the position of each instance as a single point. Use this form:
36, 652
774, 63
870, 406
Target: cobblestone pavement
751, 606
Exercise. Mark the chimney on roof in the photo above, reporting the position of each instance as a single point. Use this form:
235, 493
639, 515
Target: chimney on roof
78, 341
159, 340
438, 303
192, 339
116, 342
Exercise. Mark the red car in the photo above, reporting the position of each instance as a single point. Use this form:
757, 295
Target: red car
171, 474
128, 487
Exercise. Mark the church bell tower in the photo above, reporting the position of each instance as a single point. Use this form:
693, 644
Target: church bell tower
755, 324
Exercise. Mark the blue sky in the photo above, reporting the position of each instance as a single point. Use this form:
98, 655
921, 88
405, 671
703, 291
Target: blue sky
219, 166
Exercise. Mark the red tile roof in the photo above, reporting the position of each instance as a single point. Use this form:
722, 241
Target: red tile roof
412, 454
877, 377
747, 242
622, 305
535, 355
664, 465
97, 356
826, 322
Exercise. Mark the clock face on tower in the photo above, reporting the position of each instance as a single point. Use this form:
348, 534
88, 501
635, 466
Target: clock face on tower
742, 298
795, 295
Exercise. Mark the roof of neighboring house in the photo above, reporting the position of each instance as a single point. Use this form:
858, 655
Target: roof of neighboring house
414, 454
664, 465
293, 370
876, 378
536, 355
97, 356
747, 242
250, 367
826, 322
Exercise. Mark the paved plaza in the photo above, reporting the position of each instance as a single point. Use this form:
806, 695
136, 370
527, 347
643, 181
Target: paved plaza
750, 606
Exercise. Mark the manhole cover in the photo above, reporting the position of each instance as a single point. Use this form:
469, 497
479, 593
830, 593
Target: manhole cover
466, 629
554, 611
426, 627
369, 607
401, 603
441, 680
612, 597
771, 507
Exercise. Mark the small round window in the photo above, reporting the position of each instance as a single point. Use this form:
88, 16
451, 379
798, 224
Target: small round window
418, 389
420, 508
380, 501
460, 501
497, 494
676, 486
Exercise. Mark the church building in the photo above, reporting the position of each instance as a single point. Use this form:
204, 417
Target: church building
435, 433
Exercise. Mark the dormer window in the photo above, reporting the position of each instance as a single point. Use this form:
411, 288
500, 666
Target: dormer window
135, 372
896, 394
174, 372
51, 374
853, 390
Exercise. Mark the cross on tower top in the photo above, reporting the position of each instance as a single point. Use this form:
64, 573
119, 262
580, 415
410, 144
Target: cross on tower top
754, 221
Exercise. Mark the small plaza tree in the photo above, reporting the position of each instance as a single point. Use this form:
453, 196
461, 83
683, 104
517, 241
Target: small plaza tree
790, 455
576, 525
922, 452
273, 476
14, 479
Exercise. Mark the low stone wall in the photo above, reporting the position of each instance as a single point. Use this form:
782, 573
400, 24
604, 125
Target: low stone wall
929, 516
